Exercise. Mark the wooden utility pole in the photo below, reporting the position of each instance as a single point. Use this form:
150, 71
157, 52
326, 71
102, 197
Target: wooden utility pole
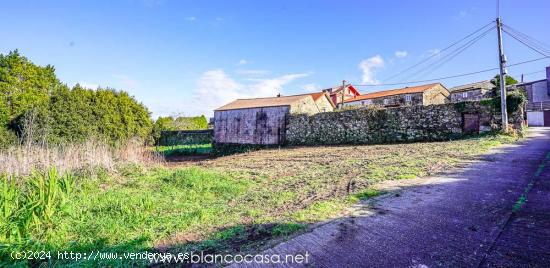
502, 64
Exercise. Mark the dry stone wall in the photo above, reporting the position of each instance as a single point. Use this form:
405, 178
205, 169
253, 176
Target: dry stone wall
403, 124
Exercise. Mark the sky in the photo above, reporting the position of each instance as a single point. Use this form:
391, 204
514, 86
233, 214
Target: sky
190, 57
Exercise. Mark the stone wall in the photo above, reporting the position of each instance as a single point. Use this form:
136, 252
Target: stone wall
170, 138
324, 104
403, 124
436, 95
304, 106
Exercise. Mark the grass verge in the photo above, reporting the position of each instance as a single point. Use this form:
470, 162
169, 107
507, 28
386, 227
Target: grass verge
196, 149
230, 204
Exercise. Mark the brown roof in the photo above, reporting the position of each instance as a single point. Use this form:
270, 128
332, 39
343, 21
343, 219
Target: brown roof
319, 95
392, 92
263, 102
477, 85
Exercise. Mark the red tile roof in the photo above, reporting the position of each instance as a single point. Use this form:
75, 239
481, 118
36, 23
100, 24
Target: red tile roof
392, 92
270, 101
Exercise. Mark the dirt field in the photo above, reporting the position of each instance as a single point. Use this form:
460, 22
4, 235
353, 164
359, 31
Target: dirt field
300, 176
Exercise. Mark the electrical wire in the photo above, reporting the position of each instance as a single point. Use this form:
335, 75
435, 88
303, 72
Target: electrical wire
447, 58
438, 53
525, 43
539, 44
448, 77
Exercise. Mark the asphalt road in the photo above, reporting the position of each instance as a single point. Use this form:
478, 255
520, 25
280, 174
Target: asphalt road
492, 213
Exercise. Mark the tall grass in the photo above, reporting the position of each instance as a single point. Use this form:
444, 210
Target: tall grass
28, 207
22, 160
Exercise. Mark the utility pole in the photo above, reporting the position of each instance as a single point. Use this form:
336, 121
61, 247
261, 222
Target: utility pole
343, 93
502, 64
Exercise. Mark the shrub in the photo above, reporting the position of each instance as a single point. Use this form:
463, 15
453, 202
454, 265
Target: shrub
60, 114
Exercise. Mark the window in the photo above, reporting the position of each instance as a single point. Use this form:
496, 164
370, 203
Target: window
465, 94
408, 98
386, 101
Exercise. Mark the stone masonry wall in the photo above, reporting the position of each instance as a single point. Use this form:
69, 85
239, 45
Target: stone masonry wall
403, 124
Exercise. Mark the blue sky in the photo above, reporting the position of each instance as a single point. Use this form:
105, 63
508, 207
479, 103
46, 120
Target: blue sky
189, 57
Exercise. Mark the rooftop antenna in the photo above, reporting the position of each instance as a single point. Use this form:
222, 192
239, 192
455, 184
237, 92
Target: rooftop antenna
502, 65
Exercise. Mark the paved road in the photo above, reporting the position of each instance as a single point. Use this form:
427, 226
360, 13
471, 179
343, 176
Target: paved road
466, 219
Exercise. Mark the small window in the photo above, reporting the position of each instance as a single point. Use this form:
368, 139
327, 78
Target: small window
386, 101
465, 94
408, 98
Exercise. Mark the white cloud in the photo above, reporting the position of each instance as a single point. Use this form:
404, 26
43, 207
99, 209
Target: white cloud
191, 18
88, 85
271, 87
312, 87
369, 67
251, 72
215, 88
242, 62
126, 82
401, 54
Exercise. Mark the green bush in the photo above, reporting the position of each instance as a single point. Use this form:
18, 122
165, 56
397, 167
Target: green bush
58, 114
7, 138
178, 123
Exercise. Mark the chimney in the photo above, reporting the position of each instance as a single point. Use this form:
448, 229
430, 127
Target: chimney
548, 79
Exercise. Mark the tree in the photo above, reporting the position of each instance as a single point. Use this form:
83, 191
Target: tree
190, 123
162, 124
496, 82
31, 93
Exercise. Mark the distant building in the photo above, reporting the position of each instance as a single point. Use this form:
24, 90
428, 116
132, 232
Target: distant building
263, 120
417, 95
538, 100
337, 94
473, 91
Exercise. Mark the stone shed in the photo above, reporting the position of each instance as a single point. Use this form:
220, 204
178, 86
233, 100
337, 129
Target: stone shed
262, 121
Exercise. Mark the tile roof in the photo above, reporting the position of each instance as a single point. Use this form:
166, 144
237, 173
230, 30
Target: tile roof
264, 102
481, 84
385, 93
336, 89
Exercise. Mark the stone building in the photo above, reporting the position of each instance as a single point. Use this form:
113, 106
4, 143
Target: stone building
408, 96
339, 93
538, 100
262, 121
473, 91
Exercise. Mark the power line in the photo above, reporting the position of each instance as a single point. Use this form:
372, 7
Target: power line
525, 43
447, 58
537, 72
527, 40
448, 77
438, 53
540, 43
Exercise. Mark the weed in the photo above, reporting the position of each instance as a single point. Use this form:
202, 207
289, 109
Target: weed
287, 229
368, 193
